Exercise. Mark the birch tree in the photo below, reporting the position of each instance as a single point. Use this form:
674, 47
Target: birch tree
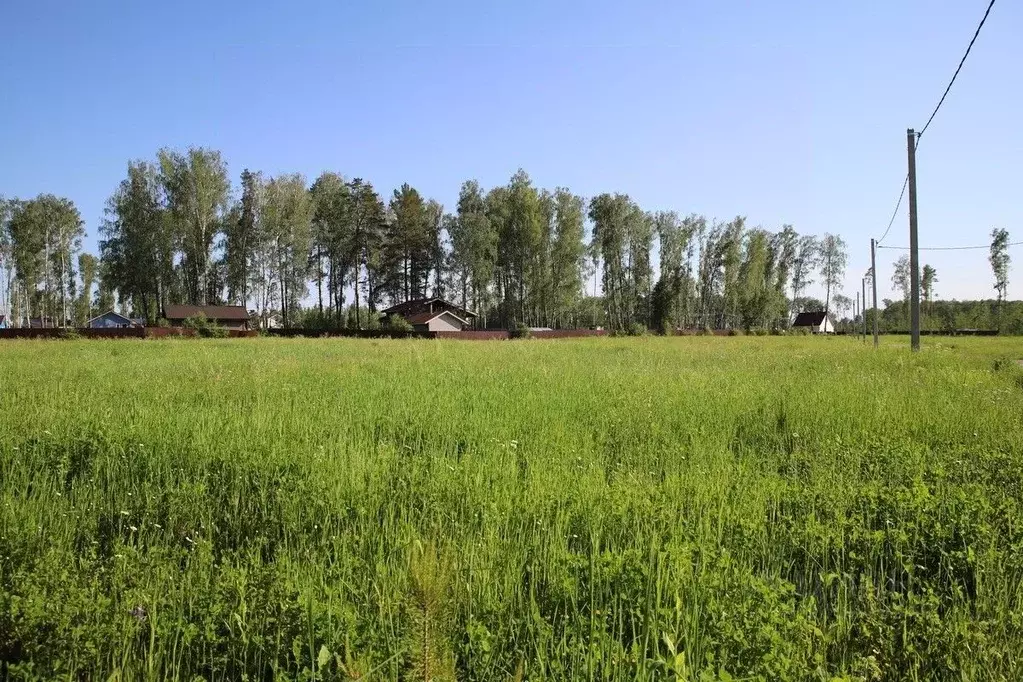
834, 257
198, 192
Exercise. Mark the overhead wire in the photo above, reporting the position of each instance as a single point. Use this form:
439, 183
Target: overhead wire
896, 211
934, 113
958, 68
944, 248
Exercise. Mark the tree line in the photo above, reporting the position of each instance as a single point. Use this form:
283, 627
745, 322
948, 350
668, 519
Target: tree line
333, 252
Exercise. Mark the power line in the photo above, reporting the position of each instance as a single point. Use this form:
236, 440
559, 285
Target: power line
961, 62
896, 211
926, 125
945, 248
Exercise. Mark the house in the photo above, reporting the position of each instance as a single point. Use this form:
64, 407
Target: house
229, 316
3, 322
432, 315
111, 320
43, 323
817, 322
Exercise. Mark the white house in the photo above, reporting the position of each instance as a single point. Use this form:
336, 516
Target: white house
441, 321
432, 315
817, 322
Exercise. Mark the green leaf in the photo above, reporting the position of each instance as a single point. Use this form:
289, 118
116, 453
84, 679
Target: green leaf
323, 657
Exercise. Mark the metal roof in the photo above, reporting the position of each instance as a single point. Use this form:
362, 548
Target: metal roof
212, 312
415, 302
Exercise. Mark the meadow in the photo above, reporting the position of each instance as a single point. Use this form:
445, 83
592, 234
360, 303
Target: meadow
601, 509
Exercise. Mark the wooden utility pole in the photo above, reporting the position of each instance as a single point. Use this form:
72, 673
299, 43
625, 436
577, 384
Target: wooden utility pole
863, 287
914, 250
873, 283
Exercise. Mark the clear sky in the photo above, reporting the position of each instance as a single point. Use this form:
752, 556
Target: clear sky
785, 112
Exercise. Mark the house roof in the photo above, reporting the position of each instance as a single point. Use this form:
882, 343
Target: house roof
213, 312
423, 318
809, 319
111, 312
416, 302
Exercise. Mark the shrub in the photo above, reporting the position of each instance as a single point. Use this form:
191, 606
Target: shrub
398, 324
69, 334
317, 320
519, 331
163, 323
636, 329
735, 332
205, 327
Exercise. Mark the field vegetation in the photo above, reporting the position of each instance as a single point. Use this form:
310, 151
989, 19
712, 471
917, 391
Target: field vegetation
647, 508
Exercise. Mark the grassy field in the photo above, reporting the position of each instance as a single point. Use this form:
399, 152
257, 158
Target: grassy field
605, 509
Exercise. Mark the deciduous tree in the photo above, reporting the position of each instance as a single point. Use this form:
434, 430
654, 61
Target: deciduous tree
198, 192
834, 257
998, 256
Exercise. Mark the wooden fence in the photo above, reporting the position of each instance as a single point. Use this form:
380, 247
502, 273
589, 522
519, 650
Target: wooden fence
114, 333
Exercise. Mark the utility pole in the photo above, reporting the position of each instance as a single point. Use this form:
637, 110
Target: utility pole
856, 311
873, 283
914, 250
863, 286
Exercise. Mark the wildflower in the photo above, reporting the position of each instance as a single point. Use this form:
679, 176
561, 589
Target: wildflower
139, 613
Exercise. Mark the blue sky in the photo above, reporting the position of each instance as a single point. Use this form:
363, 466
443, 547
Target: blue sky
785, 112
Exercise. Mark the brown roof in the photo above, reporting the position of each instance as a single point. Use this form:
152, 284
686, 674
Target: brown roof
212, 312
417, 302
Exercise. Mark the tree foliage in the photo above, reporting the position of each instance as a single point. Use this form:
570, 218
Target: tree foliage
43, 235
998, 256
515, 254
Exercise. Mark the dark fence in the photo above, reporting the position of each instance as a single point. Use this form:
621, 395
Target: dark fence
164, 332
57, 333
468, 335
349, 333
113, 333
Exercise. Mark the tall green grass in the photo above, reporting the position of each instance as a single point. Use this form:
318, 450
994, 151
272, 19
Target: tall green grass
605, 509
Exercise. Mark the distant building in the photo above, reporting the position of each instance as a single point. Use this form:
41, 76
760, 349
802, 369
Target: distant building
43, 323
3, 322
432, 315
111, 320
817, 322
228, 316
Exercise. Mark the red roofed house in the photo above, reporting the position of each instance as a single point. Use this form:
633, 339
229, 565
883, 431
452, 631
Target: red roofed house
432, 315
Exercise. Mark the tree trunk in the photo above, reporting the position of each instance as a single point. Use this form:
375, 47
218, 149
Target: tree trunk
358, 317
